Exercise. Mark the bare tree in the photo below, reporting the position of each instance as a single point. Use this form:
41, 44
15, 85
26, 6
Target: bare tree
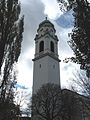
46, 103
81, 85
22, 97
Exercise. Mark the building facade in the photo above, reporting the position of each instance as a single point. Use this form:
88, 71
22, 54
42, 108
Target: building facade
74, 106
46, 70
46, 60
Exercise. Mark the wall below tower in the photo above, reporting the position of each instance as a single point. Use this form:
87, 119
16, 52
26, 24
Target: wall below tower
46, 70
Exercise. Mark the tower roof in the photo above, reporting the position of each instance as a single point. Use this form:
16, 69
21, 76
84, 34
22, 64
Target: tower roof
46, 23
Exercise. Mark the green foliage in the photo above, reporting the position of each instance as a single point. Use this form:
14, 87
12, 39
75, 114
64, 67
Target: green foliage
80, 36
11, 35
11, 29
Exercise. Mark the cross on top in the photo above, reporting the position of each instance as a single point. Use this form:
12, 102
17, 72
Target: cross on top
46, 17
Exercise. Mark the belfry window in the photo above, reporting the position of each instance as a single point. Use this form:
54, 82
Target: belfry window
52, 46
41, 46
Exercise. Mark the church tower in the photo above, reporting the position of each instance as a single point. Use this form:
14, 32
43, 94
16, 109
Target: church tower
46, 61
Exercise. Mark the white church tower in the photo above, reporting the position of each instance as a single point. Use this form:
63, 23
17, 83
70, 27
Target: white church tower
46, 61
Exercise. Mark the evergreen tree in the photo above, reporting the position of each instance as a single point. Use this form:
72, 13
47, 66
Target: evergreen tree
80, 36
11, 29
80, 42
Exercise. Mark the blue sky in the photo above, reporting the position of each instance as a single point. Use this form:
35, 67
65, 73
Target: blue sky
35, 12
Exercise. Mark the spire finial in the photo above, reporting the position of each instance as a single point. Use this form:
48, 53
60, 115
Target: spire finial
46, 17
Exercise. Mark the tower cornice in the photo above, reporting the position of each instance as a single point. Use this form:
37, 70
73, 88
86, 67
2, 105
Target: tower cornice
46, 54
47, 33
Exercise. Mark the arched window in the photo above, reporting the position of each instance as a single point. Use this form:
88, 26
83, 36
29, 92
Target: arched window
41, 46
52, 46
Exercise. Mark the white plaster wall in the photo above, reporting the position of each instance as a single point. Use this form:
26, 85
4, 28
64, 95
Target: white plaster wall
47, 73
53, 71
40, 75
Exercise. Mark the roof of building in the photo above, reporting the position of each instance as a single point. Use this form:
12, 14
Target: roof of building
46, 22
25, 118
70, 92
